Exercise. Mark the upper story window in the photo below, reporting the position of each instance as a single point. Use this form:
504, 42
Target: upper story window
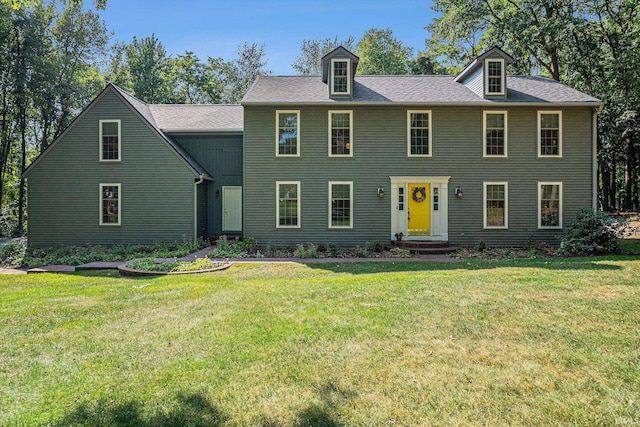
288, 133
494, 77
288, 204
419, 133
109, 140
550, 133
494, 125
340, 134
340, 77
110, 204
549, 205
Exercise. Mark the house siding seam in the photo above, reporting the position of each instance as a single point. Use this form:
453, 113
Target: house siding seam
380, 135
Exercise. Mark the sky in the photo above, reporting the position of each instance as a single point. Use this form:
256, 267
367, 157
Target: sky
216, 28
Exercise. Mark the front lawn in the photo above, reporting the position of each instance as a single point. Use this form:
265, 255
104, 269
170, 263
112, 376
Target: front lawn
518, 342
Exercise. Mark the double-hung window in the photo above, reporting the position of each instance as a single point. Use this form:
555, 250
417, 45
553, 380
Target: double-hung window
419, 133
340, 133
288, 133
340, 76
110, 204
340, 204
549, 205
550, 133
496, 199
494, 79
494, 125
288, 204
109, 140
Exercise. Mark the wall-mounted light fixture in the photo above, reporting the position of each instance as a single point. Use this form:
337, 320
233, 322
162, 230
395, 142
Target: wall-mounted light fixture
217, 193
380, 192
458, 192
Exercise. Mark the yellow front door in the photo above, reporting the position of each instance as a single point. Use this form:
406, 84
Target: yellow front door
419, 214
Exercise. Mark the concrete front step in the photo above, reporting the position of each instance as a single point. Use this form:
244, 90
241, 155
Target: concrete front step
426, 247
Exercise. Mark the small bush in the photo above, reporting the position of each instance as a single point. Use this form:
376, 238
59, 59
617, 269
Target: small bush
481, 246
400, 253
593, 233
359, 252
333, 250
376, 247
12, 253
310, 252
150, 264
230, 249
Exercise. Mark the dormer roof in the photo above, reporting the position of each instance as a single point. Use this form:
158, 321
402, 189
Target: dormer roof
476, 64
339, 52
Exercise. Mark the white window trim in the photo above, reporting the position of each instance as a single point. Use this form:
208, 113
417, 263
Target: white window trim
298, 213
409, 112
559, 226
101, 186
100, 147
352, 144
349, 76
486, 77
550, 156
484, 134
278, 112
341, 227
506, 205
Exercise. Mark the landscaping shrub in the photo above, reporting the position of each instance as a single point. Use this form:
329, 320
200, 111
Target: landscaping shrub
75, 255
593, 233
12, 254
232, 249
310, 252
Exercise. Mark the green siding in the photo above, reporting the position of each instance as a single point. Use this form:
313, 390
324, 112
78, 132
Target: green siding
221, 156
157, 186
380, 152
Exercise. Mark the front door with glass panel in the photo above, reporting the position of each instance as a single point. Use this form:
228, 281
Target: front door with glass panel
231, 208
419, 209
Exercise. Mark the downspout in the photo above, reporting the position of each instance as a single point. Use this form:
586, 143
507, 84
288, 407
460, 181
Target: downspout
195, 207
594, 128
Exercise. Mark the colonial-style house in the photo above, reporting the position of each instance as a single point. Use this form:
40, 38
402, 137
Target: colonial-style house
339, 158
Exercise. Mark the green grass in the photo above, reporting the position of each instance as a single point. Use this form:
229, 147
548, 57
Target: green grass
535, 342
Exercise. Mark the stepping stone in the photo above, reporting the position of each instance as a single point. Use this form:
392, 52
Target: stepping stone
52, 269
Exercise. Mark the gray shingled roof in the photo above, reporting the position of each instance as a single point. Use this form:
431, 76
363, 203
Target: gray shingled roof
432, 89
198, 118
144, 110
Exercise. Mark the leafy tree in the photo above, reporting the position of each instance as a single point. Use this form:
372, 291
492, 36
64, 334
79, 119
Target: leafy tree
238, 75
308, 62
25, 4
150, 70
381, 53
593, 45
48, 69
196, 83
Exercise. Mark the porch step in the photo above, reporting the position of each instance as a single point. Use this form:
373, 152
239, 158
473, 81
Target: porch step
426, 247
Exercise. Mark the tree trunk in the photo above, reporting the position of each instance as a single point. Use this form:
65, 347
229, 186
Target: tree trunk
629, 176
605, 176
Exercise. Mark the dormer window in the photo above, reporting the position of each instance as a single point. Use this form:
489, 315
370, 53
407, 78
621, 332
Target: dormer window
340, 78
494, 76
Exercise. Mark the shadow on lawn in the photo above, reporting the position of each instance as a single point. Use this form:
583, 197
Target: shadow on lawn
190, 410
559, 264
320, 414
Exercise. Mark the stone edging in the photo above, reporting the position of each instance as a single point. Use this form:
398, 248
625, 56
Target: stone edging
126, 271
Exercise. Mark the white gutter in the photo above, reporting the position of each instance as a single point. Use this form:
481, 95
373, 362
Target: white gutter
594, 129
195, 207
